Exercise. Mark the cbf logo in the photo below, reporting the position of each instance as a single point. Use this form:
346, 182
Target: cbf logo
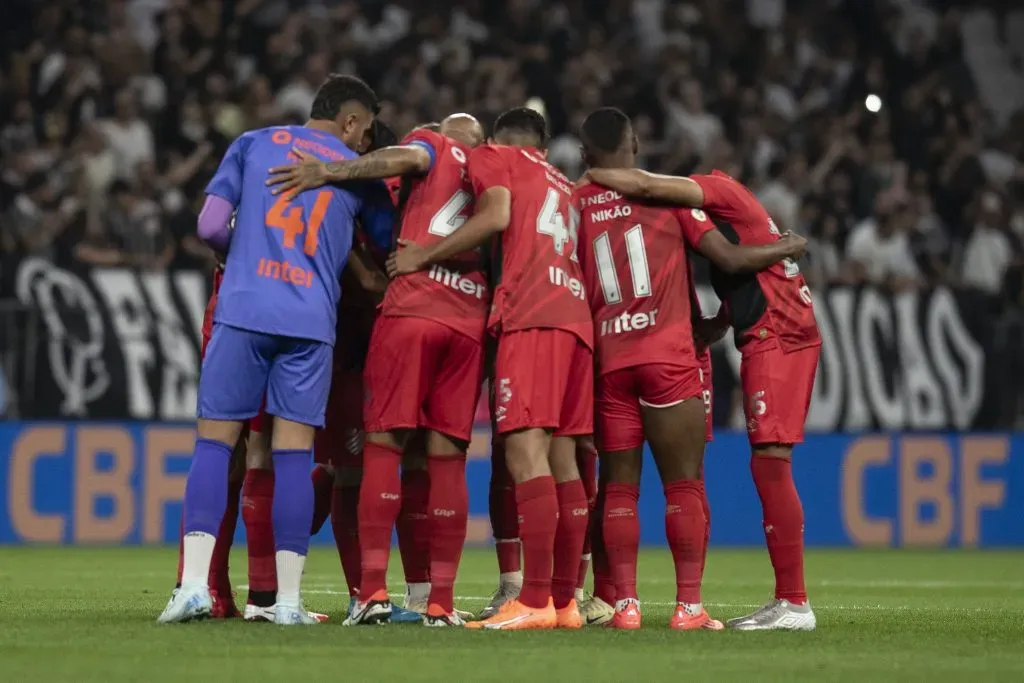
76, 333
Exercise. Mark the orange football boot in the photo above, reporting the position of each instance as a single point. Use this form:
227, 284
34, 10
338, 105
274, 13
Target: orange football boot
515, 616
628, 618
569, 616
683, 620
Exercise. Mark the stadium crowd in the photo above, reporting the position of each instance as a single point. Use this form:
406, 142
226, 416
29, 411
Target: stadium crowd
871, 126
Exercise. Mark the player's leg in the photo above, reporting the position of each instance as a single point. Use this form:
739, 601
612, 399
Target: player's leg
576, 423
395, 391
413, 530
297, 391
599, 610
257, 514
504, 527
449, 412
707, 394
528, 397
230, 386
220, 579
621, 438
672, 409
777, 390
586, 463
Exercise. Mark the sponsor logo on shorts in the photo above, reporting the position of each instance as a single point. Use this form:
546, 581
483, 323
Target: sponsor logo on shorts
457, 281
629, 322
560, 278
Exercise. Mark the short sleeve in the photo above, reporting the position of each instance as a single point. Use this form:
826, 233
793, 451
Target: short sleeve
721, 193
487, 169
695, 224
227, 181
427, 140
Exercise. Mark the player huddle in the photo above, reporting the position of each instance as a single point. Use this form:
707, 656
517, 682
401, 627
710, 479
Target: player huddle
575, 303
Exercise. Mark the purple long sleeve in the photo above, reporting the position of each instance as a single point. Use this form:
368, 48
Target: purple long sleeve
214, 220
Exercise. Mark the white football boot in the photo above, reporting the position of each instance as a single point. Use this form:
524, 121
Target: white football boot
506, 591
594, 610
293, 615
254, 613
777, 615
186, 604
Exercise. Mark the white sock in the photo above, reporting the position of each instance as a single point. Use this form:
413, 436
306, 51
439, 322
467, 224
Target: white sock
622, 604
418, 591
198, 547
580, 594
692, 608
289, 576
511, 579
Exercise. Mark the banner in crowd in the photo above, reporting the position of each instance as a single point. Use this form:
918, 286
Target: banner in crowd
122, 483
119, 344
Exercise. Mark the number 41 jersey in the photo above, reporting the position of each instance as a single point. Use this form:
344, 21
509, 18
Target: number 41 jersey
284, 264
453, 293
541, 282
636, 270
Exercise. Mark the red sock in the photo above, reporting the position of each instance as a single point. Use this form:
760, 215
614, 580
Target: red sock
537, 503
181, 549
502, 509
586, 462
323, 489
380, 499
219, 579
449, 512
783, 525
413, 526
345, 523
604, 586
571, 533
707, 526
257, 513
684, 528
622, 537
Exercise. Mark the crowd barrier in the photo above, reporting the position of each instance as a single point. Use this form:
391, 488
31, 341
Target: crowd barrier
122, 483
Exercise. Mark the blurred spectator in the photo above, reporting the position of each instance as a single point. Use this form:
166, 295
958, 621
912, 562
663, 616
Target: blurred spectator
133, 224
878, 249
128, 134
989, 251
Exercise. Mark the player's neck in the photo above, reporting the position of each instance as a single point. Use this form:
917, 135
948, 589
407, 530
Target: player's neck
325, 126
622, 160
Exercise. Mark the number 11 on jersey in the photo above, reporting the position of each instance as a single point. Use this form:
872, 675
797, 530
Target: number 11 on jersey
639, 271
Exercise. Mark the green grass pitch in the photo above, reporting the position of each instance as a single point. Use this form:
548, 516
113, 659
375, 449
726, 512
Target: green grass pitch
88, 615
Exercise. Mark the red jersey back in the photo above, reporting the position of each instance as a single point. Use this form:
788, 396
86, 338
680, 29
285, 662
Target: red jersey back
541, 285
455, 292
772, 308
635, 267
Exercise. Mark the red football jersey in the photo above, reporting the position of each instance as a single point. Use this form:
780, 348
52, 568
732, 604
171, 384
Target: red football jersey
455, 292
541, 285
769, 309
635, 267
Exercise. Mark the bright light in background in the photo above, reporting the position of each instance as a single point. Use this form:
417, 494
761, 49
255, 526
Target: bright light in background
873, 103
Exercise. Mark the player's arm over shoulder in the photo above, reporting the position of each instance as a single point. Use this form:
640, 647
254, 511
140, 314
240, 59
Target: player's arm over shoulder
491, 176
704, 236
635, 182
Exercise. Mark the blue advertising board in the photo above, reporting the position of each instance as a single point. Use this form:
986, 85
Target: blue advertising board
122, 483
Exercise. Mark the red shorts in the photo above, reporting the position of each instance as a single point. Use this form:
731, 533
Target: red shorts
621, 393
340, 442
777, 394
422, 373
544, 378
707, 392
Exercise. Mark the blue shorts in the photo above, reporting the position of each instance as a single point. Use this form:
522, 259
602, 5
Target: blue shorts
240, 365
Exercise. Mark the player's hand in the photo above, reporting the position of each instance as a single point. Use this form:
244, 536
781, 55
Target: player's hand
795, 243
584, 180
308, 174
408, 258
707, 331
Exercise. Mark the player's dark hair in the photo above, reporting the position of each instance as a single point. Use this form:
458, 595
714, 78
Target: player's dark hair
336, 91
604, 130
523, 121
381, 136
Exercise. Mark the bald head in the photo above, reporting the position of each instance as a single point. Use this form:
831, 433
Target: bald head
463, 128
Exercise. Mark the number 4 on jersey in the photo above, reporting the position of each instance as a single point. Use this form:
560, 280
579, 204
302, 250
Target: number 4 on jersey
551, 222
287, 218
